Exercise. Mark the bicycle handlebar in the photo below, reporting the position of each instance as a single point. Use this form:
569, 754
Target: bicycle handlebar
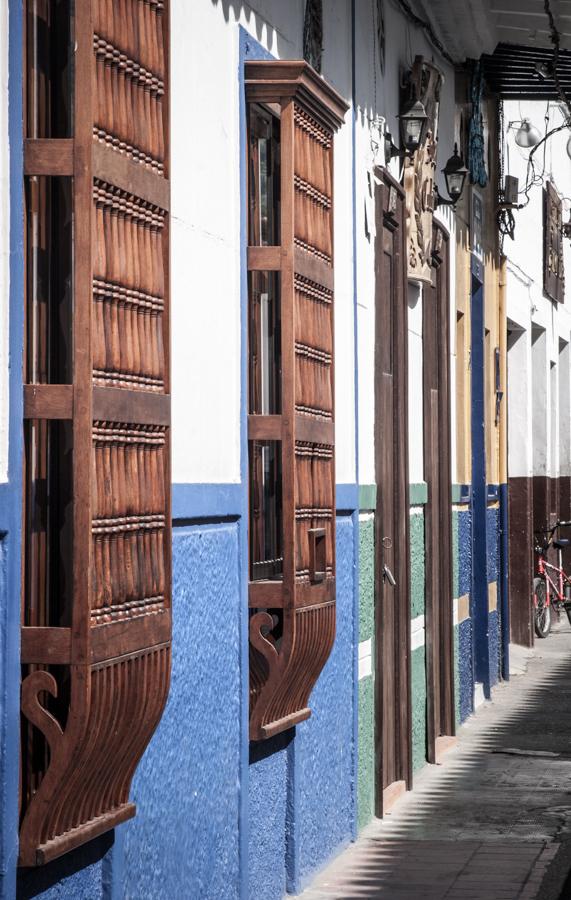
550, 532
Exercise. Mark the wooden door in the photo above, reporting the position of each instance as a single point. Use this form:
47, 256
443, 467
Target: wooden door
392, 617
438, 518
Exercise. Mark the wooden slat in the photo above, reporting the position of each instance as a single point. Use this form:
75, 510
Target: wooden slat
116, 639
113, 167
86, 832
46, 645
48, 401
314, 431
48, 157
265, 594
118, 405
264, 428
283, 724
264, 259
313, 268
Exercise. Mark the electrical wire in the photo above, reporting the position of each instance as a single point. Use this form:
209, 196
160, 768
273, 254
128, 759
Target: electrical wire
427, 28
533, 177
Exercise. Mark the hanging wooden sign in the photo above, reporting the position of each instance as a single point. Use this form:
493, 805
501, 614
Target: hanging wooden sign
553, 269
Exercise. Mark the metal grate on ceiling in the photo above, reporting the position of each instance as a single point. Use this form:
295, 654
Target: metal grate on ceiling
513, 72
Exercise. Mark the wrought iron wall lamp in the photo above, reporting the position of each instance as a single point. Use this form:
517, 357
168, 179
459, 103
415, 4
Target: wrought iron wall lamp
455, 173
413, 121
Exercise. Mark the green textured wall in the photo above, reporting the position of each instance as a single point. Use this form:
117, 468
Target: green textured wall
418, 656
366, 577
417, 602
366, 770
366, 767
366, 780
418, 690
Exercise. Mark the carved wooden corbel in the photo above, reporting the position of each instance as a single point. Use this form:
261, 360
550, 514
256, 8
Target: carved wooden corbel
424, 83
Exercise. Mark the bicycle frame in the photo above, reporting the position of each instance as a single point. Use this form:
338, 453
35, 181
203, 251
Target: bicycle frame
562, 577
558, 587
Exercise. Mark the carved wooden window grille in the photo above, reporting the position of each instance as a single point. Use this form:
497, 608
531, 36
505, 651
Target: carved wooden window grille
292, 117
96, 619
553, 270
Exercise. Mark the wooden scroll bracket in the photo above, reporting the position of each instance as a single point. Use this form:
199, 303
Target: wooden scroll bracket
32, 686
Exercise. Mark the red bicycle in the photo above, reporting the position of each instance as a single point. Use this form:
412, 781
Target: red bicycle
552, 585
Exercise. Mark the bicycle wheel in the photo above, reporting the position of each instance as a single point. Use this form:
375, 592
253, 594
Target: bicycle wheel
542, 609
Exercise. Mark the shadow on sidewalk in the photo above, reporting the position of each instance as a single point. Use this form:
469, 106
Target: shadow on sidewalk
490, 820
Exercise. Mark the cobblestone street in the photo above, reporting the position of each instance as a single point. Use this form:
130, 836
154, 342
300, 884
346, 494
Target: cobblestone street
494, 820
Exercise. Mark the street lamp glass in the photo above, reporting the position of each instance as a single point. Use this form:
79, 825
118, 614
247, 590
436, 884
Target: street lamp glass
413, 120
455, 175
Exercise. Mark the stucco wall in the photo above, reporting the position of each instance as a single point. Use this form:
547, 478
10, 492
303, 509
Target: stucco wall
4, 241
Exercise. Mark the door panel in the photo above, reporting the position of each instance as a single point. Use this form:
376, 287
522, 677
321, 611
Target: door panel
392, 620
438, 513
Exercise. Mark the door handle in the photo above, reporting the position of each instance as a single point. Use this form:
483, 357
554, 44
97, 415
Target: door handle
388, 576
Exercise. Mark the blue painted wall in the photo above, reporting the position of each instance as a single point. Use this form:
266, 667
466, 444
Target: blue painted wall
11, 493
80, 875
270, 813
465, 628
465, 669
326, 744
184, 839
464, 552
493, 529
479, 589
302, 786
494, 574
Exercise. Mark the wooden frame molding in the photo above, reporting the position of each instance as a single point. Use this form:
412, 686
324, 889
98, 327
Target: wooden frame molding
292, 614
440, 714
96, 597
393, 713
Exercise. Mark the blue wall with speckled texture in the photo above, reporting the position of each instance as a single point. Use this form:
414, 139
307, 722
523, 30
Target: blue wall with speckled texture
465, 632
302, 787
494, 641
79, 875
184, 840
465, 669
464, 552
325, 750
493, 534
269, 786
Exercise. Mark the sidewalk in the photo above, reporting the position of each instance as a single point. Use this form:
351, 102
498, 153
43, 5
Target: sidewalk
494, 821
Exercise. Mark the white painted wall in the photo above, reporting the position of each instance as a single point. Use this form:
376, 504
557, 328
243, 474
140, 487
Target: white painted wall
526, 303
415, 391
206, 331
564, 437
540, 401
519, 397
379, 94
4, 240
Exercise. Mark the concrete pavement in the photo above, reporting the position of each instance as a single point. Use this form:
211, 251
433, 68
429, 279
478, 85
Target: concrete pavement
494, 820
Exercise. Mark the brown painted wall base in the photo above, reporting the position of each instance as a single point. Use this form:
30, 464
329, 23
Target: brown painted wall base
521, 559
534, 504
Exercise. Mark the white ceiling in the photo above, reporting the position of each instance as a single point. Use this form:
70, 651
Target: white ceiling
468, 28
